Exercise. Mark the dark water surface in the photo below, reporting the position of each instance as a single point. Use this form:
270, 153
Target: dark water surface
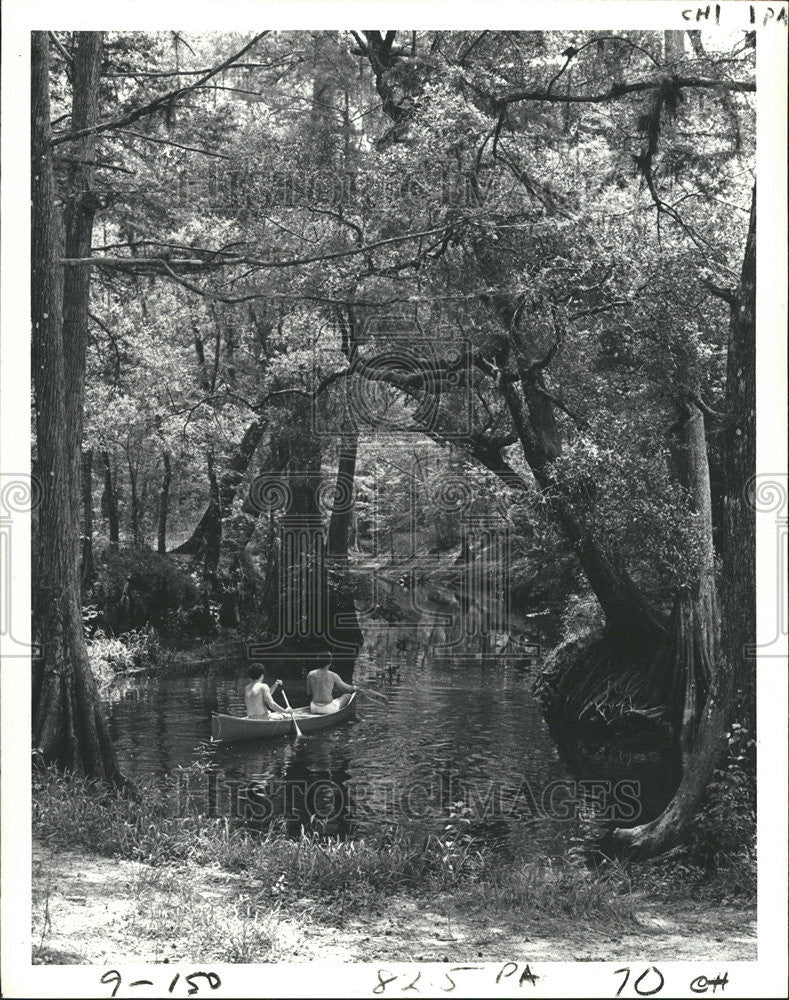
452, 730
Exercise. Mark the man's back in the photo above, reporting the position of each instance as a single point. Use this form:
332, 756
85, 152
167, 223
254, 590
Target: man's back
254, 699
320, 684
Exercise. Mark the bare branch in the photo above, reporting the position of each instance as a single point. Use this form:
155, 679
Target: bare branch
170, 142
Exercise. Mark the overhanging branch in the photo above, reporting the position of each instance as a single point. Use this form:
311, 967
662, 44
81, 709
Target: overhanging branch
155, 105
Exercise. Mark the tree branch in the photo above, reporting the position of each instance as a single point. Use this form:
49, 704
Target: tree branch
622, 89
158, 263
157, 104
727, 294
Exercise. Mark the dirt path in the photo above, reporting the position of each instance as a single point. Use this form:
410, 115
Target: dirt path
94, 910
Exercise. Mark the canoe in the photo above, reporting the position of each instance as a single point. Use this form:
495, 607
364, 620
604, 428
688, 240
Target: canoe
233, 729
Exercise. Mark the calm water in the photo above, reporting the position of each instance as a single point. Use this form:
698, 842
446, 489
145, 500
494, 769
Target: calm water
466, 729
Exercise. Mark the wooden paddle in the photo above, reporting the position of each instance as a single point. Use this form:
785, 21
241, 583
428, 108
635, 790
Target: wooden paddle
299, 733
371, 694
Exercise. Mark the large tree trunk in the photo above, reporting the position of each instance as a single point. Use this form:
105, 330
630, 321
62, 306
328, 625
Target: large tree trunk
164, 498
631, 622
699, 680
296, 589
345, 634
339, 533
68, 726
87, 569
738, 535
727, 659
697, 645
110, 503
79, 211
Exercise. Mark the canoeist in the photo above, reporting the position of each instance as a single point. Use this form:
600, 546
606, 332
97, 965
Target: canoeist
321, 683
258, 696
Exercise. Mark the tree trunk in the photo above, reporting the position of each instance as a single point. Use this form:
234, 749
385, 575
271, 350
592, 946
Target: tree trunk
87, 569
630, 619
229, 483
134, 511
696, 646
206, 539
727, 658
673, 47
110, 502
68, 726
344, 631
339, 534
298, 573
164, 497
212, 536
700, 681
738, 535
79, 211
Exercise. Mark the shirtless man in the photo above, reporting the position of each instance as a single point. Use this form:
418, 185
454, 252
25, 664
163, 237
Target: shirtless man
321, 683
257, 695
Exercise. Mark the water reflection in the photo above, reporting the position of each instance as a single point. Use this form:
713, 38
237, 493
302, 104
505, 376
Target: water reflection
463, 728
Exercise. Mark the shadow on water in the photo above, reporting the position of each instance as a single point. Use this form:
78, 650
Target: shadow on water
295, 784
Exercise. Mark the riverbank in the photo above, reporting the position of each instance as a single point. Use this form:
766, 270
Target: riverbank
116, 659
119, 878
89, 909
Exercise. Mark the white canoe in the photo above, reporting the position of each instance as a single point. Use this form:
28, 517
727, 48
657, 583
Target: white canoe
233, 728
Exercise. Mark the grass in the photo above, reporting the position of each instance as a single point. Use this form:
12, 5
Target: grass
337, 876
170, 907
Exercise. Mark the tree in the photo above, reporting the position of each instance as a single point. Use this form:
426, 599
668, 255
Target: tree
739, 522
68, 725
723, 657
690, 675
164, 496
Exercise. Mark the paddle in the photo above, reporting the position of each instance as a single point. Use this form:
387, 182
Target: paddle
371, 694
299, 733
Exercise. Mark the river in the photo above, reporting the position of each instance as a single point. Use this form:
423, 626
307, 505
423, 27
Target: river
466, 728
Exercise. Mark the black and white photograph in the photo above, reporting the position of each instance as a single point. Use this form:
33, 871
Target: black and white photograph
381, 504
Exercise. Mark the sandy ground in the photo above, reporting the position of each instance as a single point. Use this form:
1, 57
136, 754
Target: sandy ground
94, 910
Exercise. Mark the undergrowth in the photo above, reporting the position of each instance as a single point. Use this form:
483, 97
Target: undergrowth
112, 655
343, 875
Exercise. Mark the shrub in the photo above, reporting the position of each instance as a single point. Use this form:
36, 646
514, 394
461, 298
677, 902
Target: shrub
112, 655
157, 585
723, 841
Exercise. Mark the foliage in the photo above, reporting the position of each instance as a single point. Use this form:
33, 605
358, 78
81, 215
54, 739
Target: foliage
108, 656
149, 573
723, 840
244, 170
718, 857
